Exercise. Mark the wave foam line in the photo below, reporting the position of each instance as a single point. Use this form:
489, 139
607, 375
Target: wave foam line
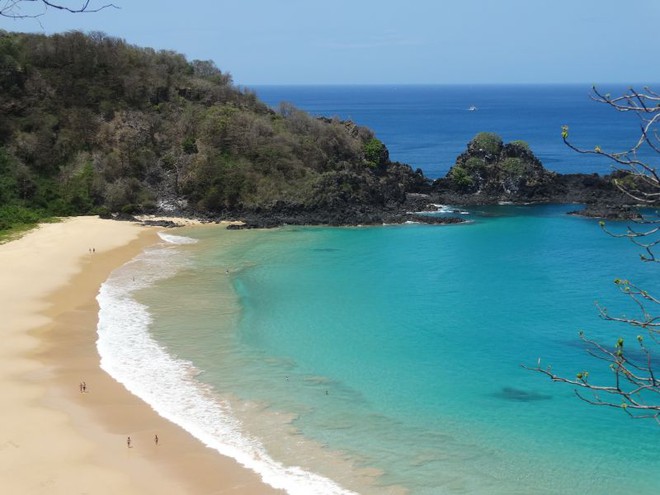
176, 239
133, 358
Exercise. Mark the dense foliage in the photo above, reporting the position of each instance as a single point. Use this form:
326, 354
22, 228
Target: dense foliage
91, 124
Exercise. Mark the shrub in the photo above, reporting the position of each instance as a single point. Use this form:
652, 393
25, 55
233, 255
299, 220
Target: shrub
189, 146
103, 212
461, 177
130, 209
521, 144
513, 166
474, 164
375, 152
487, 142
12, 215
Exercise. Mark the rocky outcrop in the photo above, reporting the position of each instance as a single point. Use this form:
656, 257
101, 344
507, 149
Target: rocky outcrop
344, 217
608, 212
491, 172
488, 172
496, 172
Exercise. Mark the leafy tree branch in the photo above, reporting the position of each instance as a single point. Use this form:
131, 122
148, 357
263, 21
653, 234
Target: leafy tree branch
634, 386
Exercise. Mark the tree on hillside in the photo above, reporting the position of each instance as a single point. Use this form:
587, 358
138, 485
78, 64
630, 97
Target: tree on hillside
634, 386
30, 9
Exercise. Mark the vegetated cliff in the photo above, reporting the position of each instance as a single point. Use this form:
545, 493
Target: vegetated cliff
91, 124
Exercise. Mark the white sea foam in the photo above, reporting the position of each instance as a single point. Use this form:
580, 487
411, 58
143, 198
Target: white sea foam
131, 356
451, 209
444, 209
176, 239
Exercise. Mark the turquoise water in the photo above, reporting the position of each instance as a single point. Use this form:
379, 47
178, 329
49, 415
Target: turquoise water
387, 359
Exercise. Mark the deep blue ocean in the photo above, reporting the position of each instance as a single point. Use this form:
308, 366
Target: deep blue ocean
427, 127
387, 360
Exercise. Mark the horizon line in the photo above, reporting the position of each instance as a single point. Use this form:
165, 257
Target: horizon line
590, 84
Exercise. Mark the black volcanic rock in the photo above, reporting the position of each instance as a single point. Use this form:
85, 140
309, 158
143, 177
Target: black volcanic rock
497, 171
491, 172
608, 212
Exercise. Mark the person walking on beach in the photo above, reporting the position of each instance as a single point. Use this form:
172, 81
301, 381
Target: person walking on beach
156, 439
128, 442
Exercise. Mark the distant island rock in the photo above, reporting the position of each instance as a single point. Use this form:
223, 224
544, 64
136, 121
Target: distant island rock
493, 172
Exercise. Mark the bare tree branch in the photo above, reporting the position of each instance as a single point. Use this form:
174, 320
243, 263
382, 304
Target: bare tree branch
15, 9
634, 387
646, 106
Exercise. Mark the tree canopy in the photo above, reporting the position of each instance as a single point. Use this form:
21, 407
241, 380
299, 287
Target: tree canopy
93, 124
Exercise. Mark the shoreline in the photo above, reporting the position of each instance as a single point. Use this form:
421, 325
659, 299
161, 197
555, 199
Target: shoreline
53, 437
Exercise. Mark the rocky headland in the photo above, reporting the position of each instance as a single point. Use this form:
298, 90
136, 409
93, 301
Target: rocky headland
489, 172
94, 125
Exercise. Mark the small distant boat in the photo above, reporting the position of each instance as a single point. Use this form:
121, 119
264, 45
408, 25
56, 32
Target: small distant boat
472, 108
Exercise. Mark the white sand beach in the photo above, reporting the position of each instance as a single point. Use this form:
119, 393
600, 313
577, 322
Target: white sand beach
55, 439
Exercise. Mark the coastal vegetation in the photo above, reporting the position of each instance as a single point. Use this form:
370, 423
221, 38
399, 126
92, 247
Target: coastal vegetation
93, 125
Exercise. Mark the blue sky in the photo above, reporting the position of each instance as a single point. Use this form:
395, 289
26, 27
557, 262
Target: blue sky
390, 41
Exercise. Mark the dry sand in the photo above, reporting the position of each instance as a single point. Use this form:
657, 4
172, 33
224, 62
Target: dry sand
55, 439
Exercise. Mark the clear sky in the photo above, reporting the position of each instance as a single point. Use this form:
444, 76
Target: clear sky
390, 41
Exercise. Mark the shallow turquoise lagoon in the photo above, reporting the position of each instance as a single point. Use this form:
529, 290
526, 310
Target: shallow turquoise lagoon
387, 359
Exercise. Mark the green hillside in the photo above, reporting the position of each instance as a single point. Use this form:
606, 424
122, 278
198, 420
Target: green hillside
91, 124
